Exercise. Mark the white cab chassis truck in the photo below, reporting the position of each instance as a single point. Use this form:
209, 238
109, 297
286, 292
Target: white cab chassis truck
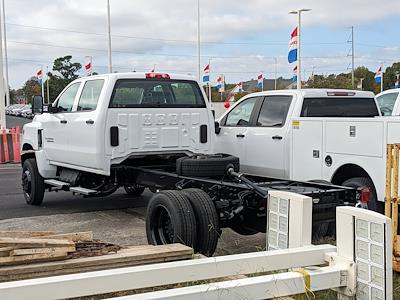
323, 135
155, 131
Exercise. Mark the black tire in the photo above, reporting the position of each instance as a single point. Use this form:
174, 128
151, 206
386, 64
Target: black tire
170, 219
360, 182
201, 165
32, 182
134, 189
206, 220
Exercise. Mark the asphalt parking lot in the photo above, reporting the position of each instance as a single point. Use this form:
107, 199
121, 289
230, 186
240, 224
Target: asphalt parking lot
118, 218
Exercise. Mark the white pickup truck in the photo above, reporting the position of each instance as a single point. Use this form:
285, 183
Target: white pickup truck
154, 130
336, 136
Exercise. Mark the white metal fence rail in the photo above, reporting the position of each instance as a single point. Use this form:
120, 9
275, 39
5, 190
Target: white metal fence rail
363, 243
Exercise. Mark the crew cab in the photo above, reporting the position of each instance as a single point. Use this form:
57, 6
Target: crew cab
156, 131
335, 136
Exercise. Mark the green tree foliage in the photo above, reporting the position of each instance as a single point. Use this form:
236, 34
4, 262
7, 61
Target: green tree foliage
65, 72
368, 78
389, 76
31, 88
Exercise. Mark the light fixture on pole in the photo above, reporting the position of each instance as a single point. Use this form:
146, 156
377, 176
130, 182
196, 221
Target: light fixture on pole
109, 37
298, 12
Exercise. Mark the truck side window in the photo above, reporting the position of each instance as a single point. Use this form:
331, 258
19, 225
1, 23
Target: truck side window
67, 99
90, 95
386, 103
241, 113
274, 111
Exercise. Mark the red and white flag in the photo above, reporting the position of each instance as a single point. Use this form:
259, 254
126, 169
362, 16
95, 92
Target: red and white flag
39, 76
88, 67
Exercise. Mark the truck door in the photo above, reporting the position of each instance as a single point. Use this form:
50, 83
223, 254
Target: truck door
267, 144
84, 144
55, 129
235, 124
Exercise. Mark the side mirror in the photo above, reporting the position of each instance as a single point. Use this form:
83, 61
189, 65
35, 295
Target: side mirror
217, 127
37, 105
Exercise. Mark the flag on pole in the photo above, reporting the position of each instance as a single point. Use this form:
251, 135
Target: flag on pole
292, 56
220, 83
378, 75
206, 74
39, 76
295, 73
153, 70
88, 67
260, 81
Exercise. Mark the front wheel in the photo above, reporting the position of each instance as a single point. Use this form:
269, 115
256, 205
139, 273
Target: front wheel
32, 183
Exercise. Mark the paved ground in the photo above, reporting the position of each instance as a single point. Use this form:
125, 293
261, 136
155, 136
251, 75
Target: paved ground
16, 121
117, 218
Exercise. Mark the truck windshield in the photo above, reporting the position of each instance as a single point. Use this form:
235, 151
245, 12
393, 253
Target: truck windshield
156, 93
339, 107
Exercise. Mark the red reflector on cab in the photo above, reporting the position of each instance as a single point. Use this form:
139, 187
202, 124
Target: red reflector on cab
341, 93
157, 76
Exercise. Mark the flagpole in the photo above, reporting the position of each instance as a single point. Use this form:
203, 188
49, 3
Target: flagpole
2, 108
47, 84
209, 80
298, 12
109, 37
382, 80
276, 70
42, 81
198, 41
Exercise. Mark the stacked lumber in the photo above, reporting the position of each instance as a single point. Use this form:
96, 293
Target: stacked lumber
22, 247
125, 257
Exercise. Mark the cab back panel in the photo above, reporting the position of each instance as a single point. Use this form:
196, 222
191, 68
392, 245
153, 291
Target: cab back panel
157, 130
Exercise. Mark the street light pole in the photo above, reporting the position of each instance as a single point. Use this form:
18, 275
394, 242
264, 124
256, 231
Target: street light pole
352, 57
5, 53
298, 12
2, 106
198, 41
109, 37
276, 70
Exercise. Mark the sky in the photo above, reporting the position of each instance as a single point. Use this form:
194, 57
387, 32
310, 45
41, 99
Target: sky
239, 38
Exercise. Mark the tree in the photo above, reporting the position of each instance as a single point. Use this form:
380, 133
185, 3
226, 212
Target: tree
66, 68
389, 76
31, 88
66, 72
368, 78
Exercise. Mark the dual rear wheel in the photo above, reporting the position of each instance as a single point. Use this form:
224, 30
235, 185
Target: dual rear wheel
188, 217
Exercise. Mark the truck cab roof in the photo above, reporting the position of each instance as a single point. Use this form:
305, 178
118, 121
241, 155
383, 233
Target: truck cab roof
141, 75
318, 93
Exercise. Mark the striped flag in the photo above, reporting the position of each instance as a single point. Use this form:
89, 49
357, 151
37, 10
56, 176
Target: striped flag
206, 74
220, 83
260, 81
238, 88
39, 76
295, 73
292, 55
378, 75
88, 67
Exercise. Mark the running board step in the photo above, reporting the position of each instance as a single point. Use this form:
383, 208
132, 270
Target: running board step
82, 190
66, 187
57, 183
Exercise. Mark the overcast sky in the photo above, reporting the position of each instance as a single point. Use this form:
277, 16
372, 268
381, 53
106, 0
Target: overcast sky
240, 37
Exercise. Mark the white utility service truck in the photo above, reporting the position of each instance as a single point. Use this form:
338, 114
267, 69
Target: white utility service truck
335, 136
138, 130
